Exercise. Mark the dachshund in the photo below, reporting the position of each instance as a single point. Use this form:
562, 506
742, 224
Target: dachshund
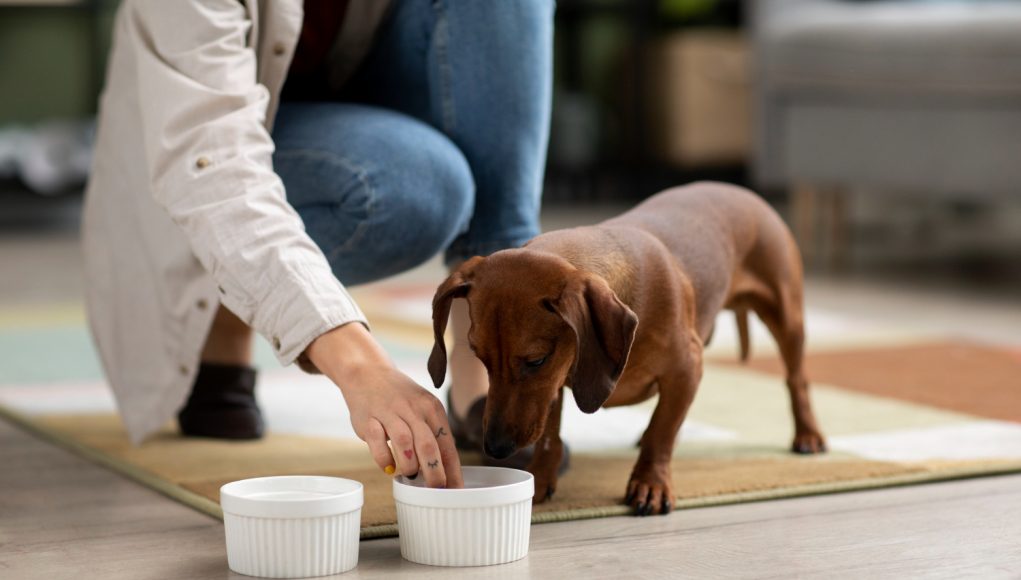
620, 312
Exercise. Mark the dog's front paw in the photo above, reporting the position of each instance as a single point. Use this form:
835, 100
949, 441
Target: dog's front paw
545, 487
808, 443
650, 491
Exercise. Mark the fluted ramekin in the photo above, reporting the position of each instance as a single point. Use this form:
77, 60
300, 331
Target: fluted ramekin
292, 526
488, 522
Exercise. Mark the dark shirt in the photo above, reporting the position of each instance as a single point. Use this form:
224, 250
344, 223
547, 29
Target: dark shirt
306, 77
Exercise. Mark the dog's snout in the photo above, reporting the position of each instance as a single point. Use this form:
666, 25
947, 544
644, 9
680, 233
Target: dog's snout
498, 445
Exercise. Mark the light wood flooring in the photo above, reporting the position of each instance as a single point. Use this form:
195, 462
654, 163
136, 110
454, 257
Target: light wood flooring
62, 517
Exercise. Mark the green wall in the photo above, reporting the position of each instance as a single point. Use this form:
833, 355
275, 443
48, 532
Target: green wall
51, 60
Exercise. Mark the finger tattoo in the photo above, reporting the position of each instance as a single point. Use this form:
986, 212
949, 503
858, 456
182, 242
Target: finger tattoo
441, 432
434, 464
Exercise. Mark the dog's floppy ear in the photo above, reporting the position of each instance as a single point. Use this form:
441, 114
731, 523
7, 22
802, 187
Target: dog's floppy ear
455, 286
605, 328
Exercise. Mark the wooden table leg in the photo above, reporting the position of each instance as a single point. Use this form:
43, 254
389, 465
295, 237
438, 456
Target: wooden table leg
803, 220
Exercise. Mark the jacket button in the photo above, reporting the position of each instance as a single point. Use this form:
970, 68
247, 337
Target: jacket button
183, 369
279, 49
276, 342
202, 304
202, 162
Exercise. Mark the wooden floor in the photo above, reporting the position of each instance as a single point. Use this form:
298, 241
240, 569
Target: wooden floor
62, 517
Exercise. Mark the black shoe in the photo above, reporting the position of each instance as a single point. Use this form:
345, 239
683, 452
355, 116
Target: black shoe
222, 404
468, 436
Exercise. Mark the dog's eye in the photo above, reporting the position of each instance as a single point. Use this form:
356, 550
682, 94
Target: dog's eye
535, 363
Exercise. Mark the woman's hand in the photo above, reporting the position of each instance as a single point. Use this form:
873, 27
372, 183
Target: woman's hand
386, 404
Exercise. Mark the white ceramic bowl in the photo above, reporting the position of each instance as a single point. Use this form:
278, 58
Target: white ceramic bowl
292, 526
487, 522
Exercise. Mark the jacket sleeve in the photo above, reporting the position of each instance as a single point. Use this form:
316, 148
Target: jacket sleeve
209, 158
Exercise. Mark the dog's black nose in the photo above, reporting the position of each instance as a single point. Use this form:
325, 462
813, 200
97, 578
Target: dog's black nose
499, 446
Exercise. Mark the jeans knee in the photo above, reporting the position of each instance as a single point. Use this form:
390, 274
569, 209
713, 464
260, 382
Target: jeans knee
455, 193
438, 192
425, 199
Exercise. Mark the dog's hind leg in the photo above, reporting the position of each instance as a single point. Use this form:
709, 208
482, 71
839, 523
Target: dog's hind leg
785, 319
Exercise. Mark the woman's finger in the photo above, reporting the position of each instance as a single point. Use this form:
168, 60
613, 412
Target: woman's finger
402, 443
428, 454
375, 437
448, 450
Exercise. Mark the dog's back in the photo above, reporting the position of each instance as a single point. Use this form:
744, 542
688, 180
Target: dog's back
726, 240
724, 236
690, 218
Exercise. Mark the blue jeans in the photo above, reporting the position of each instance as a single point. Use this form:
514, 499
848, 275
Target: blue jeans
444, 148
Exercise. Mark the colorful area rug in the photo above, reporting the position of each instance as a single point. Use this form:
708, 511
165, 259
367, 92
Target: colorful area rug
192, 471
958, 376
897, 409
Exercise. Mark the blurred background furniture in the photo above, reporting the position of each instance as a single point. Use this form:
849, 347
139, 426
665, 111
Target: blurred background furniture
54, 55
52, 61
648, 94
699, 96
913, 97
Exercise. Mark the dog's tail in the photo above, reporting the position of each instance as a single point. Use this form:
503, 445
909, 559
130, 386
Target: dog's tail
741, 315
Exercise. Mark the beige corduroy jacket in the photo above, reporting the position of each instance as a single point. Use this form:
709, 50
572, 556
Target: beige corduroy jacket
183, 210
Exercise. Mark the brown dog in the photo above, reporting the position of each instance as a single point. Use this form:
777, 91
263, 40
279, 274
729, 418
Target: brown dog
565, 310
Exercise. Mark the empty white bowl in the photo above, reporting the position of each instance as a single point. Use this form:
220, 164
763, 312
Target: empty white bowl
292, 526
487, 522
